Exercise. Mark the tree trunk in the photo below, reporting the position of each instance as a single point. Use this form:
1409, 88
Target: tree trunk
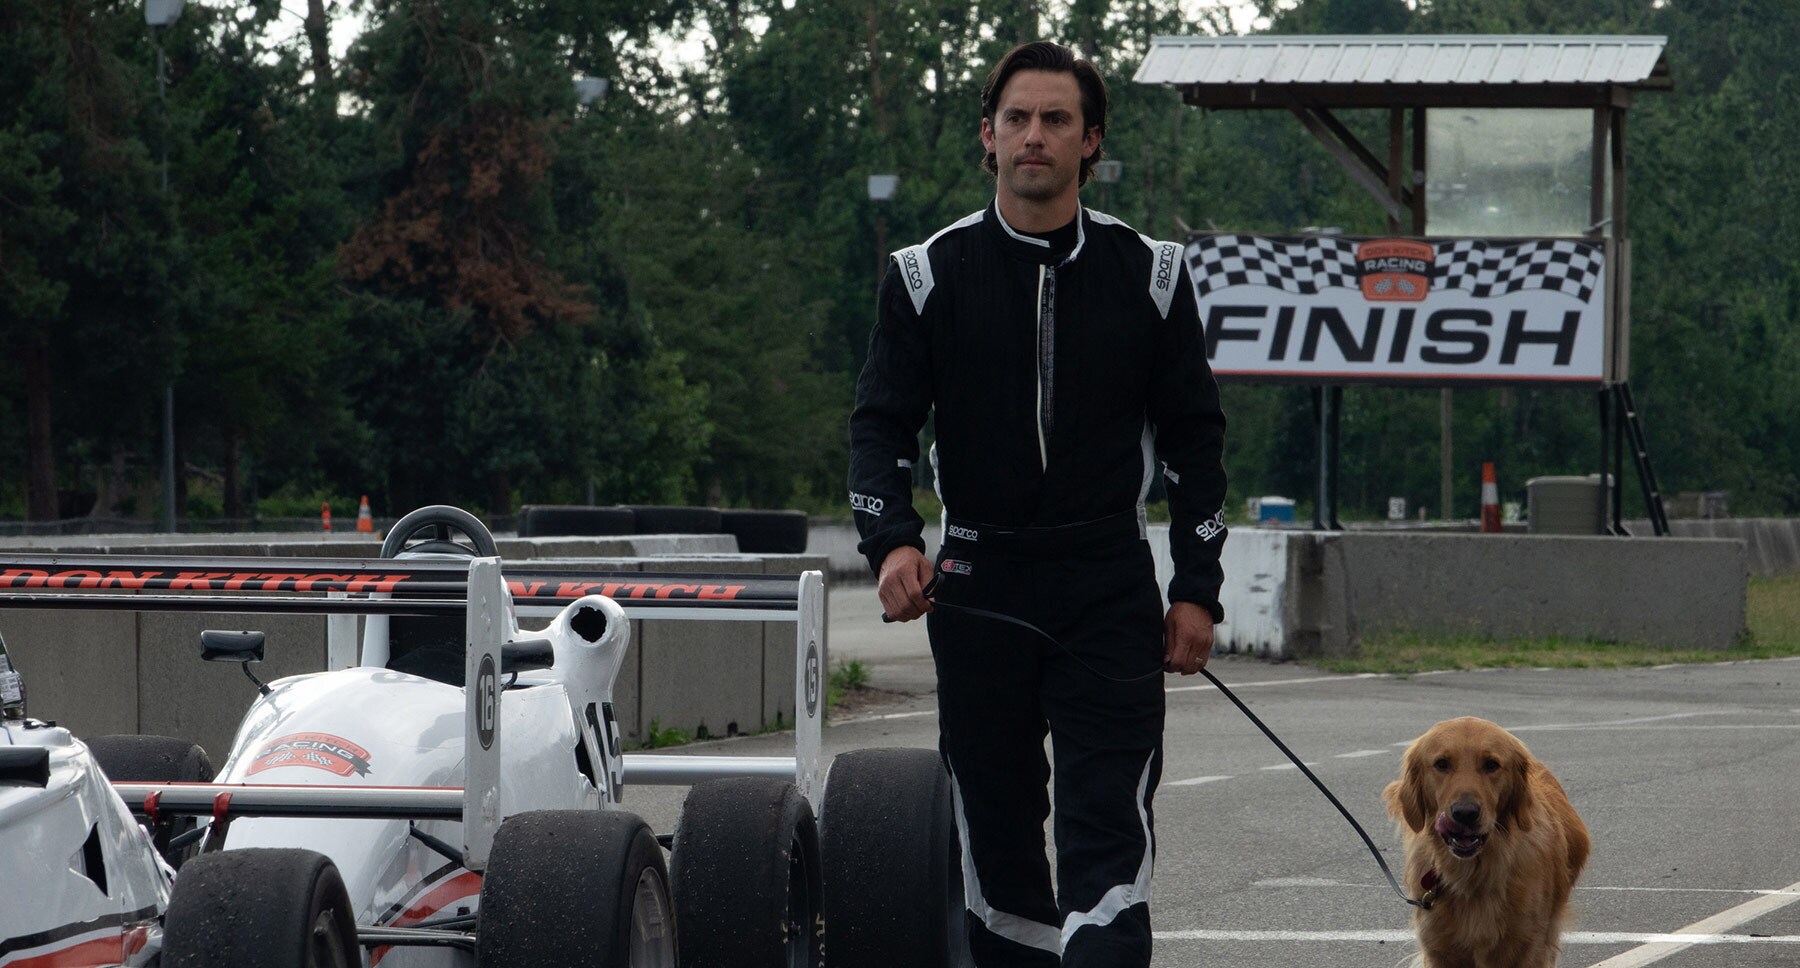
877, 93
234, 500
500, 493
109, 485
40, 478
318, 37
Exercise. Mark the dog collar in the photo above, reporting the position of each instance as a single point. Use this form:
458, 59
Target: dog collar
1431, 883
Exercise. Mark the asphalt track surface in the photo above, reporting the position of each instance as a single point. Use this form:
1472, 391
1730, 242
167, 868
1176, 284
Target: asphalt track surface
1688, 778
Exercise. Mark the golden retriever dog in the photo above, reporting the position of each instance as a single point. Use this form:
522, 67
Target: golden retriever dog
1491, 841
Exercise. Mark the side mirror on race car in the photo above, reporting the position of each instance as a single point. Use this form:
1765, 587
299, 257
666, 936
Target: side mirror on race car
522, 654
12, 688
243, 647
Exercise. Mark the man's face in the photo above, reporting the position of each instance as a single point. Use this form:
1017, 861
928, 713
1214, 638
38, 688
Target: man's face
1037, 135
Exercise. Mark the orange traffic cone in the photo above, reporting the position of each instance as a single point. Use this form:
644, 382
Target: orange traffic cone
325, 515
1490, 500
364, 521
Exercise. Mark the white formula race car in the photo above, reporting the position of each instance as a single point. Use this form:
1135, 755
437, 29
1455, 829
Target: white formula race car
450, 793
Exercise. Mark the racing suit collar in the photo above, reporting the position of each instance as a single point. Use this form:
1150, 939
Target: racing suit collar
1030, 248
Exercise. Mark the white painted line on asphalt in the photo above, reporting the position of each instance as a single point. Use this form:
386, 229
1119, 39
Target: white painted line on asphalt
1779, 892
1196, 781
1352, 756
871, 719
1404, 937
1653, 951
1241, 686
1582, 889
1623, 722
1201, 934
1285, 766
1697, 728
1301, 882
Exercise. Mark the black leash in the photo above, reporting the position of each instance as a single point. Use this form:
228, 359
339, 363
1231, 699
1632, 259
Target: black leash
1423, 903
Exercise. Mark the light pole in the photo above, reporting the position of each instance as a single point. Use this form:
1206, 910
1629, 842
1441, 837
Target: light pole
159, 14
882, 189
1107, 172
590, 89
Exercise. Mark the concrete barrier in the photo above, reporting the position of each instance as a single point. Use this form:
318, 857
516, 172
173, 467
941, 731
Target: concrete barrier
125, 672
1302, 594
1773, 544
1297, 594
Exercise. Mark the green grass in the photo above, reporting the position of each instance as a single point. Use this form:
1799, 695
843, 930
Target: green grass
657, 737
846, 677
1773, 614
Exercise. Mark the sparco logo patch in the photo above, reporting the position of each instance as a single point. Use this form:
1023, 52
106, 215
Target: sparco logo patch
318, 751
953, 567
909, 264
1165, 265
1212, 527
866, 504
964, 534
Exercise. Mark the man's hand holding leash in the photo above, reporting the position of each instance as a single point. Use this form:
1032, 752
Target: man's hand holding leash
1187, 637
901, 584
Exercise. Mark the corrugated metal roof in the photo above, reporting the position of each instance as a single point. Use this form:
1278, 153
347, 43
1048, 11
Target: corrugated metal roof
1403, 59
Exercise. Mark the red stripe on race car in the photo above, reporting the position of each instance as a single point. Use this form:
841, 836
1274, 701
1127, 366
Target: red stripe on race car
82, 954
466, 884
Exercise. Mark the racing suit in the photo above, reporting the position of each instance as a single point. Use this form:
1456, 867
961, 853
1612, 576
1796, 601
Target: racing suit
1060, 381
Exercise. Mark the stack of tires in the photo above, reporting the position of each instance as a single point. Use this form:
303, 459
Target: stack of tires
876, 879
757, 532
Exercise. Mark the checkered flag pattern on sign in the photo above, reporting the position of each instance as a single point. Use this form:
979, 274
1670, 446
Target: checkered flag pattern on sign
1305, 266
1496, 268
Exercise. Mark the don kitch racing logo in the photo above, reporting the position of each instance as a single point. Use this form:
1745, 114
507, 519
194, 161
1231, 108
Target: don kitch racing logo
1394, 270
318, 751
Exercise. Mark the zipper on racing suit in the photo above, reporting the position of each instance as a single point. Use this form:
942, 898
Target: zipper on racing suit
1046, 361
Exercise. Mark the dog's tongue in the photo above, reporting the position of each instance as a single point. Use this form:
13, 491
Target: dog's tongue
1447, 826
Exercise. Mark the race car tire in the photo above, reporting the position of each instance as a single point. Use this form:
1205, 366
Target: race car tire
745, 869
575, 888
561, 520
155, 759
766, 532
657, 519
273, 908
442, 519
893, 862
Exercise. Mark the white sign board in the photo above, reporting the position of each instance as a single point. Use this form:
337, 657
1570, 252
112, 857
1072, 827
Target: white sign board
1332, 309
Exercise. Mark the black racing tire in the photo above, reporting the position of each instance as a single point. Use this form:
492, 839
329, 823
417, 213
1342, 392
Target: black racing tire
656, 519
745, 869
893, 862
155, 759
269, 908
573, 520
575, 889
766, 532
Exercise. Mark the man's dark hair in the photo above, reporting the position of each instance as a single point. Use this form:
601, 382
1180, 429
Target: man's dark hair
1043, 55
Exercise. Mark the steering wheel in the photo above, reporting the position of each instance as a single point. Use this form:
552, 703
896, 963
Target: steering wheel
440, 520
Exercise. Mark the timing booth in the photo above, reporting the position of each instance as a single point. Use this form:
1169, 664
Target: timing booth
1506, 258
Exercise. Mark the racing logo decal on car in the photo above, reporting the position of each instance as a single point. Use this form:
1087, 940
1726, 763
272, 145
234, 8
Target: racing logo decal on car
633, 590
201, 581
318, 751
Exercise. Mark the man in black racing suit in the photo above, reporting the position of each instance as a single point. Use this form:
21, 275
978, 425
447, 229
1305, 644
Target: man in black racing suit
1062, 355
